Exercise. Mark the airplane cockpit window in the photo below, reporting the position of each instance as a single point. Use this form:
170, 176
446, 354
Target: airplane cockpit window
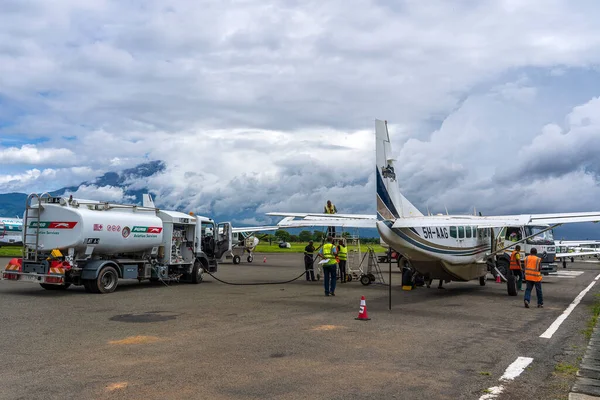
453, 232
461, 232
468, 231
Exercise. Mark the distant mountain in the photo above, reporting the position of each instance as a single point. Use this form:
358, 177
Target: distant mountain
13, 204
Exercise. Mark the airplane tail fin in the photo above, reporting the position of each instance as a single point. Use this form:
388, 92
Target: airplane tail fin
391, 204
147, 201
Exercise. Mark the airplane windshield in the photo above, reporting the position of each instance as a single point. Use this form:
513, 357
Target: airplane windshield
539, 237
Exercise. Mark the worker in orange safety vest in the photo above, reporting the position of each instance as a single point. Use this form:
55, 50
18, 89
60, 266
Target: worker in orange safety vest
533, 276
515, 266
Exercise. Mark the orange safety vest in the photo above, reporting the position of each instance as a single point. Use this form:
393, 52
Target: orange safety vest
514, 263
532, 269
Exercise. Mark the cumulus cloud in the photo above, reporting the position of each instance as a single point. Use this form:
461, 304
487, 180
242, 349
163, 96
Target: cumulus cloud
30, 154
102, 193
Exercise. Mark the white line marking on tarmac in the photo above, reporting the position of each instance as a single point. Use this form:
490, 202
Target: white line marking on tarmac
515, 369
561, 318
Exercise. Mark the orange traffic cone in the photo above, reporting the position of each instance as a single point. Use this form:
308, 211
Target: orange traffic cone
498, 280
265, 260
362, 312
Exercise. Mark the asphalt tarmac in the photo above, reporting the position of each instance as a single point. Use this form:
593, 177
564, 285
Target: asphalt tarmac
217, 341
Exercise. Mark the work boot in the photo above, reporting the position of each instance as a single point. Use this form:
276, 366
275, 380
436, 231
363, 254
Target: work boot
540, 306
526, 303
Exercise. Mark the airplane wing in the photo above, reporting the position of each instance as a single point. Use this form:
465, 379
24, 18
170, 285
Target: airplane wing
578, 254
251, 229
496, 221
311, 220
318, 215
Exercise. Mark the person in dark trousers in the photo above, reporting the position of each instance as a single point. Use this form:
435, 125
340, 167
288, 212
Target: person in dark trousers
533, 276
343, 256
515, 266
329, 252
308, 261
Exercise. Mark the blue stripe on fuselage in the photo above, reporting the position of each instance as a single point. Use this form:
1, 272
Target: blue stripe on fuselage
398, 231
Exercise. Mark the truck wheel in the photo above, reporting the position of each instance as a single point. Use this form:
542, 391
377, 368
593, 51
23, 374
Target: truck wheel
250, 259
511, 285
236, 259
49, 286
482, 280
502, 266
106, 282
197, 272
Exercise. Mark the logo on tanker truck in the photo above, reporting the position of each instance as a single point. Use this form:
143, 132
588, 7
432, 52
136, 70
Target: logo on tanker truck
52, 225
147, 229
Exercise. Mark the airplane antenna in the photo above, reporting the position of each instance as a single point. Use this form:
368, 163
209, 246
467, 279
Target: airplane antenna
428, 212
446, 210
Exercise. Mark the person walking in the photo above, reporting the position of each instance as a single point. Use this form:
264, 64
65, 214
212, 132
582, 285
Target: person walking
515, 266
533, 277
329, 253
343, 256
330, 209
308, 261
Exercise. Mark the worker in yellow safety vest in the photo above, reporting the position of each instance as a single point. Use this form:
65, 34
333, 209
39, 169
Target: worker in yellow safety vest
515, 266
329, 254
330, 209
343, 256
533, 276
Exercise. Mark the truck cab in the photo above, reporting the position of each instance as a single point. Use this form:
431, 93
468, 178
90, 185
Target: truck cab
537, 236
213, 240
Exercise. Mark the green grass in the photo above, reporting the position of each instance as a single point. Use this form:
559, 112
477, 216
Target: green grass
591, 324
11, 251
565, 368
299, 248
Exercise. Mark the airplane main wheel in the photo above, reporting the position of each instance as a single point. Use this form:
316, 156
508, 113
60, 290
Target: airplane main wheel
371, 277
318, 277
482, 280
250, 259
511, 284
365, 280
348, 278
236, 259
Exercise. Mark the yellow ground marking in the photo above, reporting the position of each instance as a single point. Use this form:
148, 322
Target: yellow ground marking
136, 340
326, 327
116, 386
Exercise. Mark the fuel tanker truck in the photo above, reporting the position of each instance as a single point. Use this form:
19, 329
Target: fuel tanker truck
95, 244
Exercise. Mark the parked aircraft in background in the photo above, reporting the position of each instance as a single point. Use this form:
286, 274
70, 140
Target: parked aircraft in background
11, 231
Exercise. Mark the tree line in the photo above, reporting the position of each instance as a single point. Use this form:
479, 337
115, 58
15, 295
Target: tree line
282, 235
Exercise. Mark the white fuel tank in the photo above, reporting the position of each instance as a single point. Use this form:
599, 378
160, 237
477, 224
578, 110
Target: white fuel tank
117, 230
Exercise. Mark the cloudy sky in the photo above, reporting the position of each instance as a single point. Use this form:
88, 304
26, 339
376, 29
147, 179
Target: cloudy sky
270, 105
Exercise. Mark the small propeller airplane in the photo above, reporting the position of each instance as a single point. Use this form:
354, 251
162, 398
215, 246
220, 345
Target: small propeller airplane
11, 231
572, 249
445, 247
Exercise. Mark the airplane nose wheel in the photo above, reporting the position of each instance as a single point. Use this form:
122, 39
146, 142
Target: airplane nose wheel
236, 259
250, 258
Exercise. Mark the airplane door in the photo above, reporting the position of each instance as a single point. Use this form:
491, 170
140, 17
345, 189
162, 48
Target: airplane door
224, 239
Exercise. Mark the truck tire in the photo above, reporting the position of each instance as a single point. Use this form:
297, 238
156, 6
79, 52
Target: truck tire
49, 286
511, 284
197, 271
502, 266
106, 282
236, 259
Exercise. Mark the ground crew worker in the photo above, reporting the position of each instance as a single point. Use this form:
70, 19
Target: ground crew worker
308, 261
330, 209
329, 252
515, 266
533, 276
343, 256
